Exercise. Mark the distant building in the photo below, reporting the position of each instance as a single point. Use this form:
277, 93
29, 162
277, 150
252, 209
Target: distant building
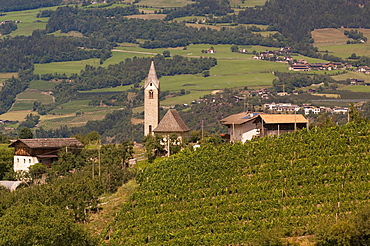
282, 107
245, 126
28, 152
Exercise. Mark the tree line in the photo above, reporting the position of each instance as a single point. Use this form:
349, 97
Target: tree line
13, 87
8, 27
290, 81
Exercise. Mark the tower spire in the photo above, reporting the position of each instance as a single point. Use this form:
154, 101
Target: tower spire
152, 77
151, 101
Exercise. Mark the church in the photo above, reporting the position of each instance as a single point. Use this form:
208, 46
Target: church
171, 123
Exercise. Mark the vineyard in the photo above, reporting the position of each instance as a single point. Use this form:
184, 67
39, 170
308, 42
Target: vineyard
229, 194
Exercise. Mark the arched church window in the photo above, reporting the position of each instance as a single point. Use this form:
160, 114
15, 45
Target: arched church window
150, 129
151, 84
151, 94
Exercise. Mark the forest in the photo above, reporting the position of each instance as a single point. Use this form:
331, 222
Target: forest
16, 5
158, 33
200, 8
13, 87
8, 27
54, 212
288, 82
22, 52
295, 19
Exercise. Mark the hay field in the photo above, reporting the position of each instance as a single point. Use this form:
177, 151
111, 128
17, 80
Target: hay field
247, 3
16, 115
147, 16
334, 41
8, 75
165, 3
329, 36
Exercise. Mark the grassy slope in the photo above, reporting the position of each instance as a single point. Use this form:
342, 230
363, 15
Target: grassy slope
334, 41
228, 195
27, 18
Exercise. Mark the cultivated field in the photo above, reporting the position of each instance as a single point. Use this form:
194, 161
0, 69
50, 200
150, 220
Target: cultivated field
65, 67
357, 88
247, 3
27, 18
72, 120
164, 3
42, 85
148, 16
351, 74
334, 41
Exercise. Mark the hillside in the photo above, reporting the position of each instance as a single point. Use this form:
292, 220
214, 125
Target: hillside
234, 194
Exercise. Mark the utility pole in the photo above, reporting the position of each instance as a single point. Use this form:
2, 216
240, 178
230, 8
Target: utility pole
202, 129
168, 145
99, 160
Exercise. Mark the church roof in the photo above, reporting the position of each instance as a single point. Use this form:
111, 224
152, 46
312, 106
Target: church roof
152, 77
171, 122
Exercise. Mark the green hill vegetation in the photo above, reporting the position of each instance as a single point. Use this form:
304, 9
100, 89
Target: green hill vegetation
295, 185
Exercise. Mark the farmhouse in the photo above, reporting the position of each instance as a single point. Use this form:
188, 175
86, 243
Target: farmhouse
28, 152
245, 126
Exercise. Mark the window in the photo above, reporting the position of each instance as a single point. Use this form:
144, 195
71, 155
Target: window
29, 160
24, 160
17, 159
150, 129
151, 94
151, 84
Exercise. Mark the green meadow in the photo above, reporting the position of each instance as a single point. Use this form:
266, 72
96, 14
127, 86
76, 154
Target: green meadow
247, 3
42, 85
65, 67
352, 74
81, 106
334, 41
33, 95
111, 89
118, 56
72, 120
356, 88
346, 50
185, 99
27, 18
24, 104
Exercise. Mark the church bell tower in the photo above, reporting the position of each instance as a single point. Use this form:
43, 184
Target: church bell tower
151, 101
